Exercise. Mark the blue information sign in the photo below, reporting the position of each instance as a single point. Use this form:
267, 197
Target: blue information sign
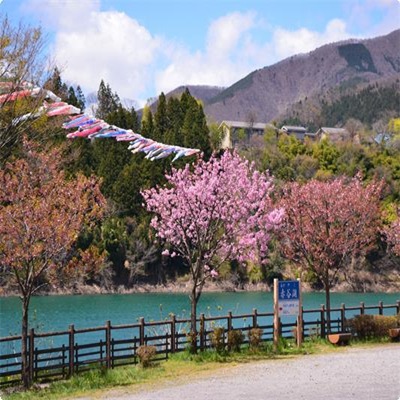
288, 290
289, 297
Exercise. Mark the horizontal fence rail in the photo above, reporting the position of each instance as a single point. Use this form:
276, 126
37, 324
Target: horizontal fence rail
59, 355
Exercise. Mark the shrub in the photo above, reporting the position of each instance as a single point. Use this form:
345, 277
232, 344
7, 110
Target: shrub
217, 337
372, 326
146, 354
235, 339
255, 337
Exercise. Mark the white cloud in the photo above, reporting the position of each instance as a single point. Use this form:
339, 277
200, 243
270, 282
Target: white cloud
362, 16
225, 33
62, 15
91, 45
286, 43
111, 46
221, 63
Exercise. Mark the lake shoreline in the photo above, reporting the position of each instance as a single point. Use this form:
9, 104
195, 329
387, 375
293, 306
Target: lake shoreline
185, 287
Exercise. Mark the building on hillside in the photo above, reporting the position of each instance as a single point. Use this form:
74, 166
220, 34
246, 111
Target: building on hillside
298, 131
383, 138
235, 131
333, 134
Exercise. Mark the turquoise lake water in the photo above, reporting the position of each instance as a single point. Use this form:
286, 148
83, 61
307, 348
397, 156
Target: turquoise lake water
55, 313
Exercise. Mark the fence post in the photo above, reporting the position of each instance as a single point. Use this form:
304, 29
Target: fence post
254, 318
276, 316
141, 331
229, 321
342, 316
108, 344
362, 308
323, 321
31, 354
202, 332
300, 328
173, 333
71, 352
63, 361
112, 353
398, 307
380, 308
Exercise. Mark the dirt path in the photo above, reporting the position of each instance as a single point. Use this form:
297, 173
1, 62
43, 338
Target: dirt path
371, 373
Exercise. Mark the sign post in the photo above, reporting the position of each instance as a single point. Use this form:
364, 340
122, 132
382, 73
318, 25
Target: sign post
287, 301
276, 315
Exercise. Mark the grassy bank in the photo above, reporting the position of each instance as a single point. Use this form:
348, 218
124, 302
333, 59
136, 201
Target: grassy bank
181, 367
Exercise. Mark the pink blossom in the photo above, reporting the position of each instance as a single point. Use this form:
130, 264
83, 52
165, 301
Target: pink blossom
215, 211
214, 273
165, 252
173, 254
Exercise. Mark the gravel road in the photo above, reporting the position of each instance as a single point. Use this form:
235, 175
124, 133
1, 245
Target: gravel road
371, 373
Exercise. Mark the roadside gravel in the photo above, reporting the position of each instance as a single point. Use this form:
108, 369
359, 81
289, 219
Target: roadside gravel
370, 373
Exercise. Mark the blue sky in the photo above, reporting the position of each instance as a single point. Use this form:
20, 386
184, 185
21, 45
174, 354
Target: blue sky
143, 47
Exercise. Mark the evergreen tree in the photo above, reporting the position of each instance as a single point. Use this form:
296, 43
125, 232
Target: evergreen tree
194, 129
124, 118
56, 85
107, 101
81, 98
72, 99
147, 123
176, 119
161, 120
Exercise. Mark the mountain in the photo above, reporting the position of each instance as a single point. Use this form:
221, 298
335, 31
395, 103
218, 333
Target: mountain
201, 92
268, 93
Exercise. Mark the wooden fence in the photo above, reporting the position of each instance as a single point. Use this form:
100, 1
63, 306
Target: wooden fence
57, 355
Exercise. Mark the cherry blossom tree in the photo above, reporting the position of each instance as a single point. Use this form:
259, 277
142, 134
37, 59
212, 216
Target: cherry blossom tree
213, 212
328, 223
41, 216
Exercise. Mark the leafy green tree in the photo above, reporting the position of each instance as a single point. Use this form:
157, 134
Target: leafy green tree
327, 155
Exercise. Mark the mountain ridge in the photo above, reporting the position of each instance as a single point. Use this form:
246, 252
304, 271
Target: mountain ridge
266, 93
327, 72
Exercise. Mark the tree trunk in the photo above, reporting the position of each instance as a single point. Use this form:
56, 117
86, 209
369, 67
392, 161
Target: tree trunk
194, 297
328, 306
24, 345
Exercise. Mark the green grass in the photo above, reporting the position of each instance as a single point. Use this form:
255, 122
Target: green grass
180, 367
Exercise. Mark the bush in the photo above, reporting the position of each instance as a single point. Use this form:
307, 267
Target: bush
372, 326
217, 337
146, 354
255, 337
235, 339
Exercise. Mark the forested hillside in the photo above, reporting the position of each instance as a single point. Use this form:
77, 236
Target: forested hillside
373, 106
268, 93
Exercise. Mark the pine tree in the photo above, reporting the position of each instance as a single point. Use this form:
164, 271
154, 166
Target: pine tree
194, 129
107, 100
147, 128
56, 85
176, 119
81, 98
161, 120
72, 99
